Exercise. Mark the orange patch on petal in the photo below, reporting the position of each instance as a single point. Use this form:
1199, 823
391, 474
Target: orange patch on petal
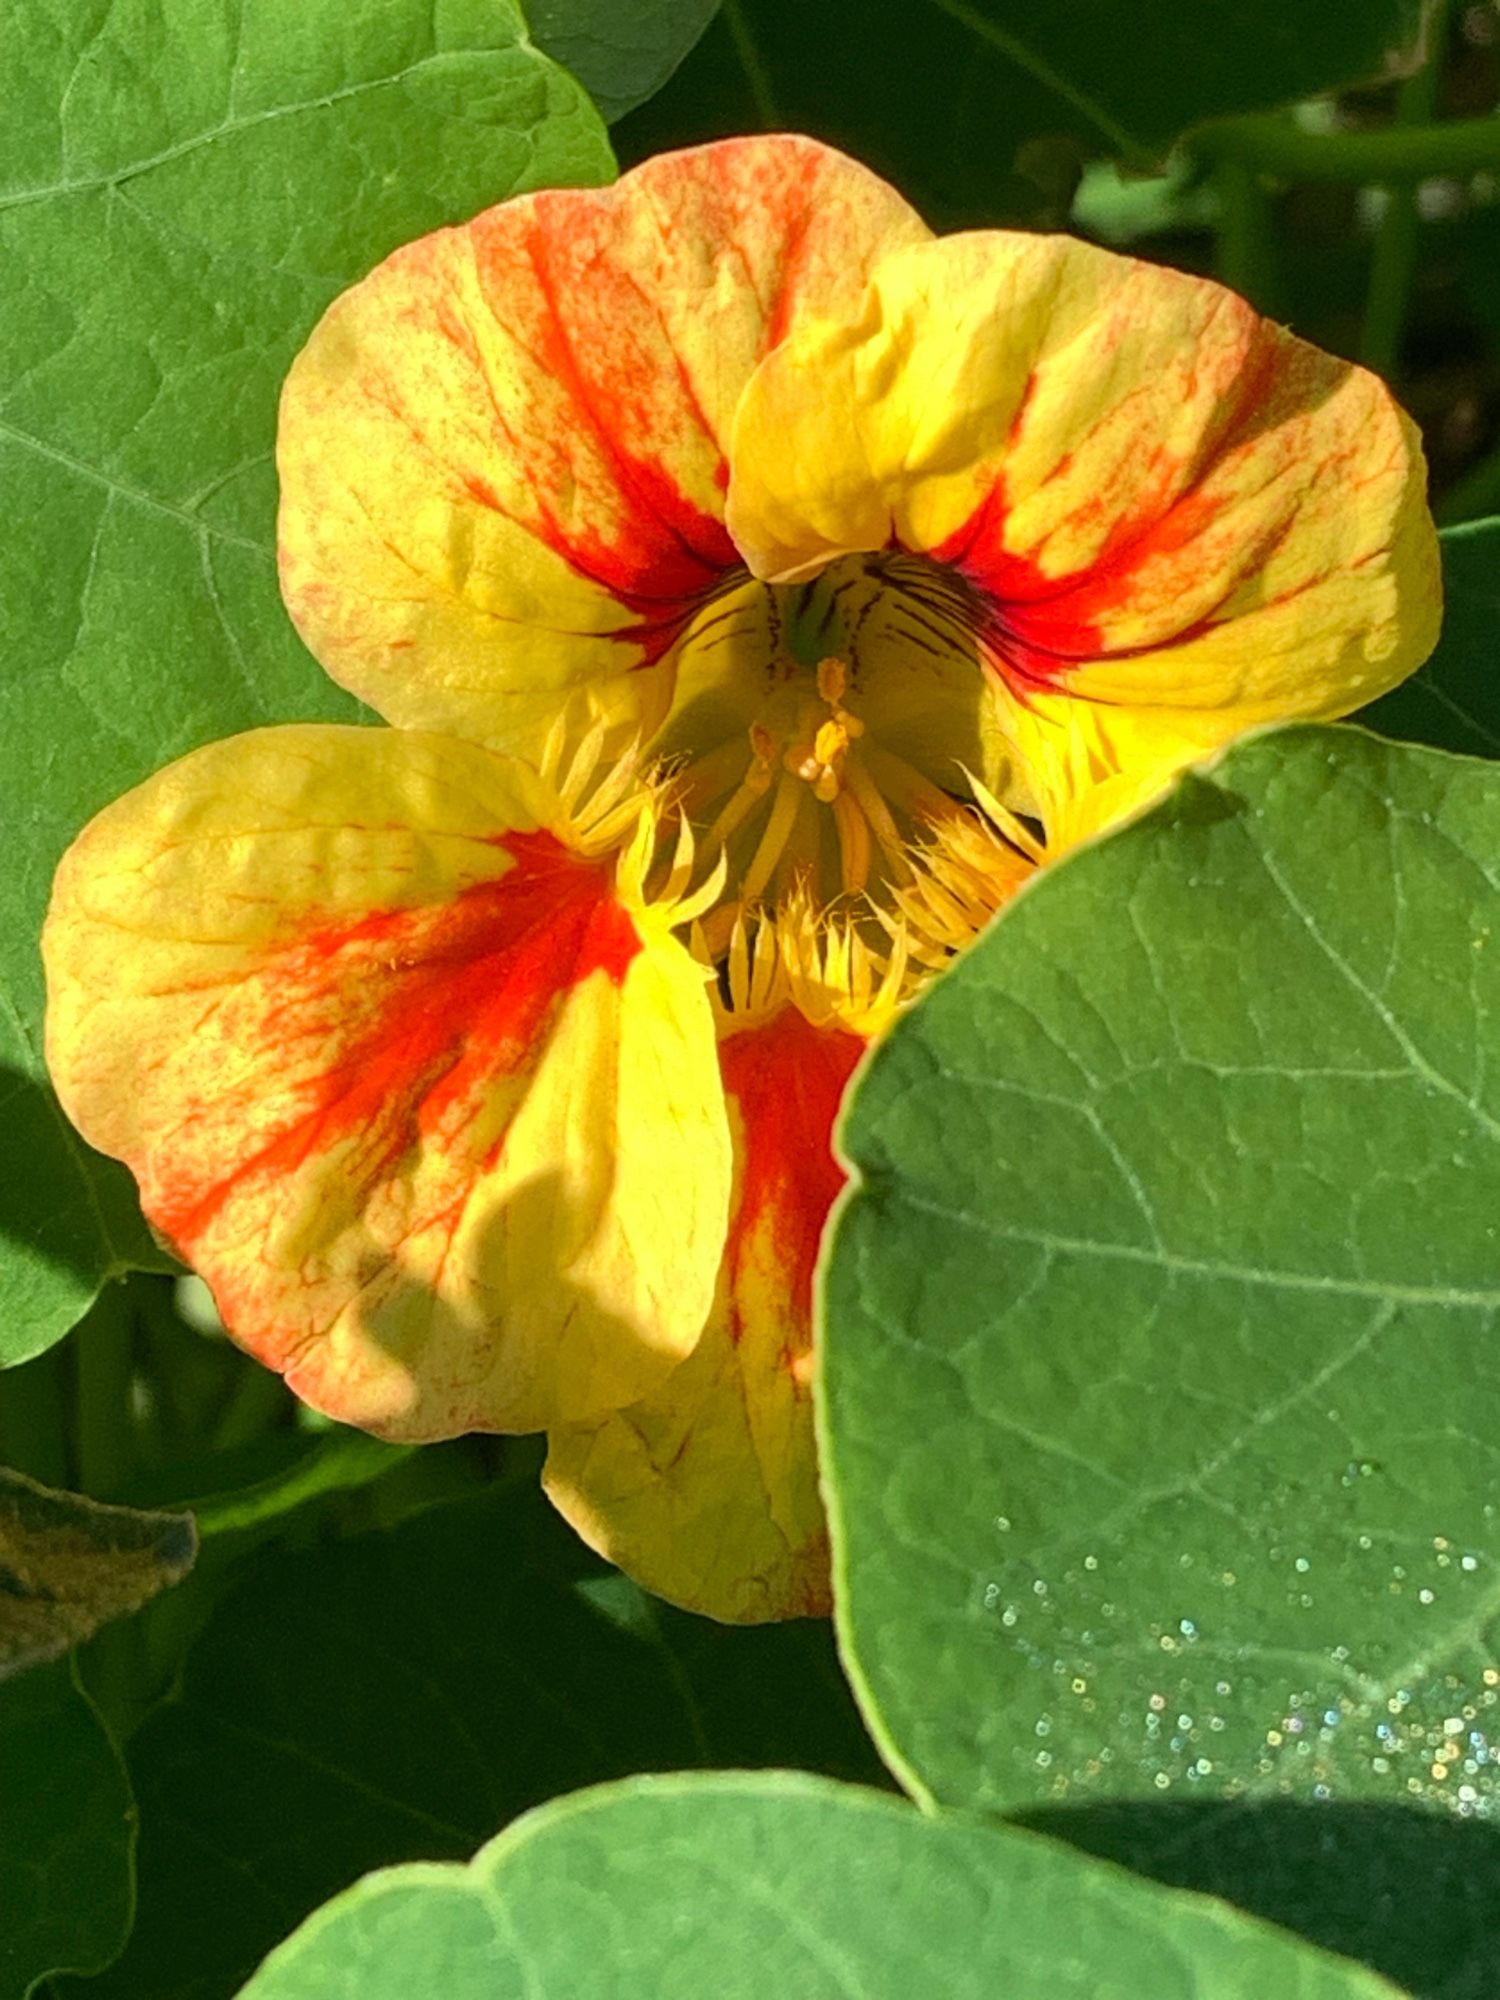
424, 1093
503, 454
1135, 491
707, 1491
785, 1081
429, 1007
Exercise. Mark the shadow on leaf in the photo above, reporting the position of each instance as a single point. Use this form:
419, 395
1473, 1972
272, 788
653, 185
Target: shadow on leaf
1411, 1893
64, 1203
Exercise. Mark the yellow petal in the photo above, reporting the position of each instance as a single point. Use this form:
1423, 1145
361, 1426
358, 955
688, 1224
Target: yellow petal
707, 1492
433, 1111
1145, 498
503, 453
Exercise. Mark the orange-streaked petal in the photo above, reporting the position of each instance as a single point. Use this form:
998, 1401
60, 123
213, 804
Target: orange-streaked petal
434, 1112
707, 1492
1146, 496
503, 453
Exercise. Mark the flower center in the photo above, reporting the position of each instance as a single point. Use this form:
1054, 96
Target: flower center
792, 701
813, 802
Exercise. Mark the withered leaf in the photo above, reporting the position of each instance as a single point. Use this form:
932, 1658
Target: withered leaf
69, 1564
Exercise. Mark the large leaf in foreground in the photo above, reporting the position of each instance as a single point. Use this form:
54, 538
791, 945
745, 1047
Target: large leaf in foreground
1162, 1380
402, 1695
1454, 702
66, 1833
742, 1886
184, 185
976, 108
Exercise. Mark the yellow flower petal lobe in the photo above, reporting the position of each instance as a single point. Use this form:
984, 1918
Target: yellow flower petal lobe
707, 1492
1141, 496
502, 453
434, 1111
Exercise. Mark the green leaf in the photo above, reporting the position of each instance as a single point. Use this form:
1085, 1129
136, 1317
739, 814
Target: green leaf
401, 1695
742, 1886
67, 1830
1454, 702
980, 111
184, 185
1342, 1875
621, 55
1160, 1353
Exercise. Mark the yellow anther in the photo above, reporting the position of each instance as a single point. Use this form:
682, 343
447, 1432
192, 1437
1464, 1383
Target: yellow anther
830, 743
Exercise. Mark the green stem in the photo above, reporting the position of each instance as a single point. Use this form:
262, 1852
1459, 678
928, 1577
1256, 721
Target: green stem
34, 1418
1394, 260
343, 1460
1459, 147
103, 1355
1245, 248
757, 76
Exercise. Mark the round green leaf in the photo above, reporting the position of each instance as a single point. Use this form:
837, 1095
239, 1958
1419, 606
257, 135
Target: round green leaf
742, 1886
184, 185
67, 1833
1161, 1379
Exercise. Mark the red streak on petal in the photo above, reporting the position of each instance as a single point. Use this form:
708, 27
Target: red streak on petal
669, 548
1040, 627
437, 1001
1007, 589
787, 1079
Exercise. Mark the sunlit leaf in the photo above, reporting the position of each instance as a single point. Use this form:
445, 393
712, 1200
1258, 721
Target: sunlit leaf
1161, 1347
742, 1886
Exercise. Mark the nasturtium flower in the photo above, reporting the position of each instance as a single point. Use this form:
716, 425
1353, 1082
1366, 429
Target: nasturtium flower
760, 588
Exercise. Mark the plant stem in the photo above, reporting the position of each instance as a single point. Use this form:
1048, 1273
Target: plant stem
1245, 248
757, 76
1459, 147
34, 1418
1394, 260
344, 1460
103, 1354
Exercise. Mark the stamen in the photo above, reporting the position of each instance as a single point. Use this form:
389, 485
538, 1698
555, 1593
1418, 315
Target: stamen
878, 813
854, 843
710, 776
751, 790
802, 854
903, 783
777, 829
